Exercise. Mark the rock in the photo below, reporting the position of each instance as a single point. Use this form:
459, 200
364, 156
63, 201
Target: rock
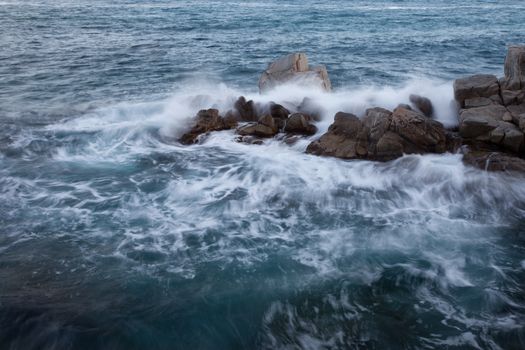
346, 138
478, 102
377, 121
481, 85
277, 111
294, 68
491, 124
476, 122
298, 124
513, 139
382, 135
519, 121
507, 117
256, 129
423, 104
516, 110
230, 121
207, 120
511, 97
405, 106
422, 133
514, 69
494, 161
265, 127
390, 146
245, 110
268, 121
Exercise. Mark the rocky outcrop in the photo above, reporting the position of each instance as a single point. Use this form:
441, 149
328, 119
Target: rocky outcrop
294, 68
207, 120
381, 135
492, 110
490, 132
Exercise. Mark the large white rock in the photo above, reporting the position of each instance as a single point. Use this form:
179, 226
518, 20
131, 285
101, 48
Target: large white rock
294, 68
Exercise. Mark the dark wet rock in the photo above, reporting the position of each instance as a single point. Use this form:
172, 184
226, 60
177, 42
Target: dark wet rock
269, 121
480, 85
256, 129
207, 120
265, 127
294, 68
244, 111
494, 161
381, 135
278, 111
346, 138
230, 121
377, 121
298, 123
423, 104
422, 133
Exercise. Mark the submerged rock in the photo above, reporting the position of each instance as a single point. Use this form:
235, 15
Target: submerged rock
251, 140
294, 68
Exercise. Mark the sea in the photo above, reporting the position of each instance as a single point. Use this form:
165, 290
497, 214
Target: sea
113, 235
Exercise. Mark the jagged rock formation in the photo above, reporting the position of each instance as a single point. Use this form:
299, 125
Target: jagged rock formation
381, 135
491, 118
493, 110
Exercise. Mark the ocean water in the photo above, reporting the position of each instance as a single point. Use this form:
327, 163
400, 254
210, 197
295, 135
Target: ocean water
114, 236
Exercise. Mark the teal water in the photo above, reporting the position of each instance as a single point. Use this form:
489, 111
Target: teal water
114, 236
